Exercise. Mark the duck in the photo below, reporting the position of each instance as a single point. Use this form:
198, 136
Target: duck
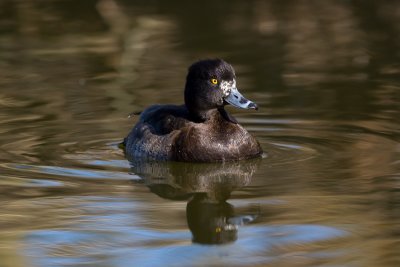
201, 129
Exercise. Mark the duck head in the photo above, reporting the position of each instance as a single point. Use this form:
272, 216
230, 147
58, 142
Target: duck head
211, 84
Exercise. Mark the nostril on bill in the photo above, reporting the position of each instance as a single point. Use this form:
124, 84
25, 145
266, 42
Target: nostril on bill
243, 100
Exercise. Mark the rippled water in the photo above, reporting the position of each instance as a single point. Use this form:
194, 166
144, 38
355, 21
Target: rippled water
325, 76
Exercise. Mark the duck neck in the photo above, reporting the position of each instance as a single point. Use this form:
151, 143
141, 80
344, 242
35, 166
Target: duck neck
199, 115
198, 110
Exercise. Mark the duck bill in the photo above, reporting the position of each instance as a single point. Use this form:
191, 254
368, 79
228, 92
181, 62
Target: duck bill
236, 99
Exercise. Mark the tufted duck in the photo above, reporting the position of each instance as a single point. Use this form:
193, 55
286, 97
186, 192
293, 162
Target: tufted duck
201, 130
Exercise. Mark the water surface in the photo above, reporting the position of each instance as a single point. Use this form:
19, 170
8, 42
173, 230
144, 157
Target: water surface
326, 79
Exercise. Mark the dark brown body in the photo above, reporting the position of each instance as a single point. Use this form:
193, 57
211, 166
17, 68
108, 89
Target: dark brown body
166, 132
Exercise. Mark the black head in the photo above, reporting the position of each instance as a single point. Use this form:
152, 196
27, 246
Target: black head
211, 84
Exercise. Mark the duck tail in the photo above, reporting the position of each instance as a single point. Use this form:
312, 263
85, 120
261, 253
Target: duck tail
122, 145
135, 113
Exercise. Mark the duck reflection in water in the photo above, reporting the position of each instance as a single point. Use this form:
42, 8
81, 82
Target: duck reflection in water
206, 187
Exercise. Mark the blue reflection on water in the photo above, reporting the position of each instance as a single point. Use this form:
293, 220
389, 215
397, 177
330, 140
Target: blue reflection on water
71, 172
141, 247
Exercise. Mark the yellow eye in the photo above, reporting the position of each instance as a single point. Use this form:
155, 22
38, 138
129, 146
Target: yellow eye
214, 81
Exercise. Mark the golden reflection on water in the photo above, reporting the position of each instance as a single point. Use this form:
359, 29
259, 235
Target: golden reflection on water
325, 75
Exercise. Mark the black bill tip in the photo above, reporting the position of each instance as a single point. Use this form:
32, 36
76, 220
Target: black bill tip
252, 105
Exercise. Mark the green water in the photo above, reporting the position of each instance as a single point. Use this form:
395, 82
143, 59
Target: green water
325, 74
